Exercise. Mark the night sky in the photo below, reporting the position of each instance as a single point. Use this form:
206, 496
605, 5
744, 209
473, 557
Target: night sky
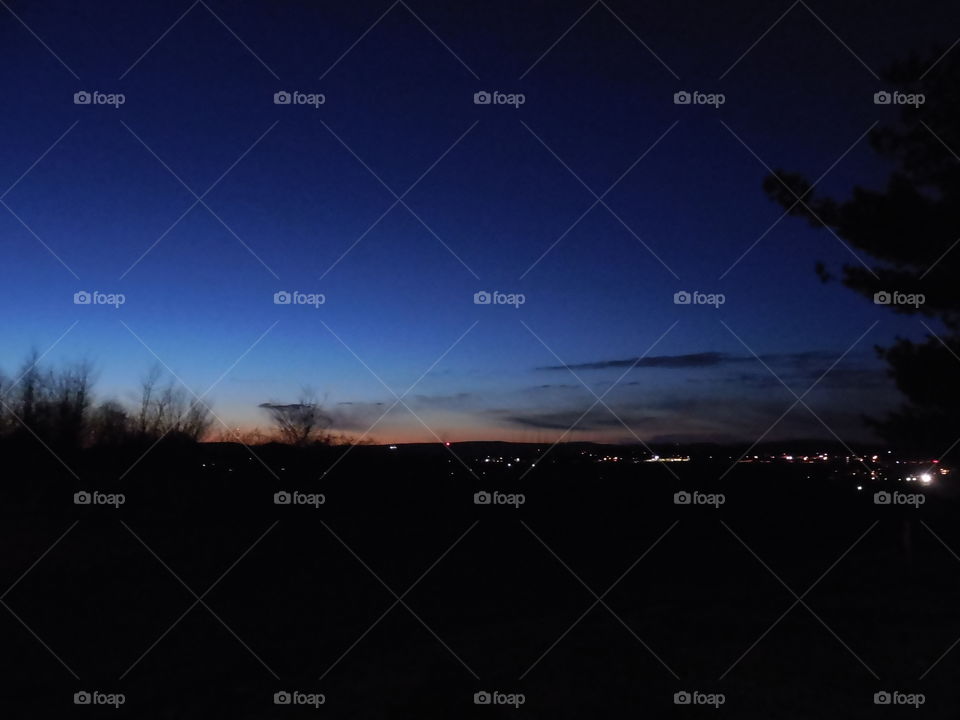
503, 198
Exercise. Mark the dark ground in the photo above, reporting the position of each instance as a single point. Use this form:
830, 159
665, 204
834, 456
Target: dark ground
295, 611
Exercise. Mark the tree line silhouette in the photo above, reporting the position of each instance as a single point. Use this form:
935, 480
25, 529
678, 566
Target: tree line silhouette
57, 407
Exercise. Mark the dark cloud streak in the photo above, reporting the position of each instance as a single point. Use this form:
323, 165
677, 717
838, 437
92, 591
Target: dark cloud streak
694, 360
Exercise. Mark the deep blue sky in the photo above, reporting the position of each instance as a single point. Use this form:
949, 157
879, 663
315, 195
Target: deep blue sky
399, 99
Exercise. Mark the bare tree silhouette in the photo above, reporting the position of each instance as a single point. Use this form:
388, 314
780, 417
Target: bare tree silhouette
50, 405
300, 423
170, 410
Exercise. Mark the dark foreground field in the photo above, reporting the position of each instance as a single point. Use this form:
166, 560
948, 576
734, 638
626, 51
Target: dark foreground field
399, 597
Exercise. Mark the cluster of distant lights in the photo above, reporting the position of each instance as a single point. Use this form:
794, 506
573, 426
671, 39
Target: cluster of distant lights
621, 458
508, 461
817, 457
924, 478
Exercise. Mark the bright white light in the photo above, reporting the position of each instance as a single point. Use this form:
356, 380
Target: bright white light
859, 487
925, 477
